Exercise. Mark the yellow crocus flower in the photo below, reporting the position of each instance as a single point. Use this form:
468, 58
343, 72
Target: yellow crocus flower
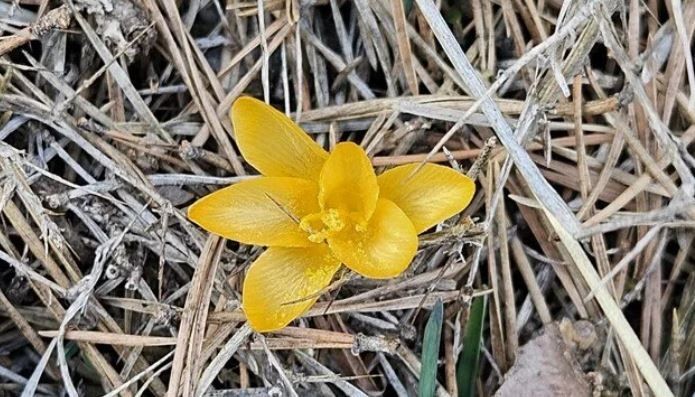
317, 210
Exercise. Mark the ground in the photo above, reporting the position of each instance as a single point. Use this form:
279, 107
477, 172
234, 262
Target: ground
570, 273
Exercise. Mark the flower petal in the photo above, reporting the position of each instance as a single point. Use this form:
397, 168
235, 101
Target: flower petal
259, 211
283, 283
429, 195
384, 249
348, 183
273, 143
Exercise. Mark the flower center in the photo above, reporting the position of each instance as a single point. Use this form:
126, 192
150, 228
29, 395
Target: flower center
322, 225
327, 223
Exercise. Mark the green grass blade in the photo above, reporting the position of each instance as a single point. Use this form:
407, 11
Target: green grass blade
430, 351
408, 5
467, 369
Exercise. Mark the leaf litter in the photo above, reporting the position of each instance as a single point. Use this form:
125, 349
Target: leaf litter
575, 118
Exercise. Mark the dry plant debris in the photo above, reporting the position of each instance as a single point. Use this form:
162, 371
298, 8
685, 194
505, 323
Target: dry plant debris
545, 366
576, 119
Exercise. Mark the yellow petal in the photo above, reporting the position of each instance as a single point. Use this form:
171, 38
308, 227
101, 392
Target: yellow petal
283, 283
430, 195
384, 249
348, 183
273, 143
261, 211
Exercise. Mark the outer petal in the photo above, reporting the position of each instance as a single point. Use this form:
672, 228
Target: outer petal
384, 249
428, 196
283, 283
348, 182
259, 211
273, 143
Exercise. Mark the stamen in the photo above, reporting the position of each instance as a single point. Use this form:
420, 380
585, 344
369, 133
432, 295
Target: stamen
311, 223
332, 220
361, 226
322, 225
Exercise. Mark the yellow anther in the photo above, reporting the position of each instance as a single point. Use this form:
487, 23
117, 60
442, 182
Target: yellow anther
322, 225
332, 219
318, 238
361, 226
311, 223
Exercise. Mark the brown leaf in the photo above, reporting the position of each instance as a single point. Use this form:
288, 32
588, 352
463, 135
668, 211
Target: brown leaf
545, 366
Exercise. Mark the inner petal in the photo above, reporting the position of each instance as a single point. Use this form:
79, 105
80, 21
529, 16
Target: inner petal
348, 183
385, 246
